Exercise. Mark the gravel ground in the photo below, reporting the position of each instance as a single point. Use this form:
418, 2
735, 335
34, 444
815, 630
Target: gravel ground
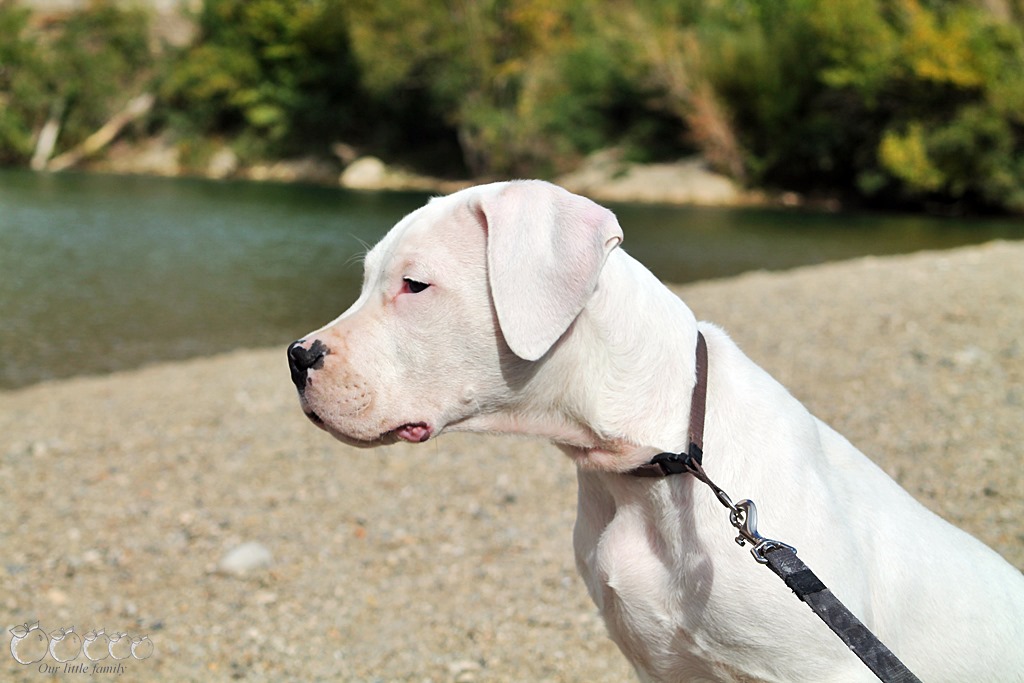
122, 497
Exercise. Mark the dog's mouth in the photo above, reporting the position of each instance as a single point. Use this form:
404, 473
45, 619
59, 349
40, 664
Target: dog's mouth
413, 432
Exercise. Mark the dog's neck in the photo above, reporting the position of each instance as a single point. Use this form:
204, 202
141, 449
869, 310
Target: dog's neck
608, 393
609, 354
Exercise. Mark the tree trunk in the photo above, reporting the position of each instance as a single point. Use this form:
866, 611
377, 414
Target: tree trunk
105, 135
47, 139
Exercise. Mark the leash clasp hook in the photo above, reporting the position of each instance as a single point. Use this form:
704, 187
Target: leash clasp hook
743, 516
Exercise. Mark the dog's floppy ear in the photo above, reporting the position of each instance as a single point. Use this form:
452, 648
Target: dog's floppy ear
545, 250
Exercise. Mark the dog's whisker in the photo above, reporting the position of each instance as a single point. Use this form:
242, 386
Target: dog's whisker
359, 256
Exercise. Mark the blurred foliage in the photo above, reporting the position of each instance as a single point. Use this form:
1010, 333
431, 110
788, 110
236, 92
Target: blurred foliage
78, 72
277, 73
20, 89
911, 102
896, 101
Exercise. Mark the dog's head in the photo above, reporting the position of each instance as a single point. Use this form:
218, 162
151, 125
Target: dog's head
461, 301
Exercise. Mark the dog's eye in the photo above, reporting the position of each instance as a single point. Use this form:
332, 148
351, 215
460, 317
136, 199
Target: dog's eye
412, 286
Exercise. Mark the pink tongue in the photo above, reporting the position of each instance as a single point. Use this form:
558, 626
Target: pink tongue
415, 433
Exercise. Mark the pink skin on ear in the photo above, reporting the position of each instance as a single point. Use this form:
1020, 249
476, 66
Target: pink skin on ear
545, 251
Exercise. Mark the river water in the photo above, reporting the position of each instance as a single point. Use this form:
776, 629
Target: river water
101, 273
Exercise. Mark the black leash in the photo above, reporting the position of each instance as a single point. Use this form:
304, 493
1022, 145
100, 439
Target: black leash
875, 655
779, 557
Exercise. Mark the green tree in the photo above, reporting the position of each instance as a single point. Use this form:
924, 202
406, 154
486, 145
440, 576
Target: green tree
79, 72
472, 61
889, 100
527, 86
22, 92
99, 59
277, 73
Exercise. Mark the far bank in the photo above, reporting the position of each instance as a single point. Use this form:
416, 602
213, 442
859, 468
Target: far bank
106, 272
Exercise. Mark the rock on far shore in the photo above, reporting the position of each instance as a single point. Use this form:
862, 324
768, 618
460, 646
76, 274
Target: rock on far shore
606, 176
603, 176
371, 173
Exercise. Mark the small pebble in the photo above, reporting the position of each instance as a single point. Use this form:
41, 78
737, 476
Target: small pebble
245, 558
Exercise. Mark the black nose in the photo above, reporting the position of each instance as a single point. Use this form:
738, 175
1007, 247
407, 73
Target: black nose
301, 359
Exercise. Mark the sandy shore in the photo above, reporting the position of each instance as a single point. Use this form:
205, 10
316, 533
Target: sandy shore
121, 495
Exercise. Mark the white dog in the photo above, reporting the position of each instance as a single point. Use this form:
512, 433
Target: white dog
507, 308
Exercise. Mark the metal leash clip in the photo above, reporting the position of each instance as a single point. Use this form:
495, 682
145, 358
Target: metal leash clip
743, 516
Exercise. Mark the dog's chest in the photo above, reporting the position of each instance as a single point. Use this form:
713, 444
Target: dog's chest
652, 592
675, 592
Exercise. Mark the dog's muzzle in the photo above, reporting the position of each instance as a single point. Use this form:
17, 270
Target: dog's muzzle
302, 359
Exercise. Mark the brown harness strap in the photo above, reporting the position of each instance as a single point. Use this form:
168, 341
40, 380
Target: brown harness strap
665, 464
